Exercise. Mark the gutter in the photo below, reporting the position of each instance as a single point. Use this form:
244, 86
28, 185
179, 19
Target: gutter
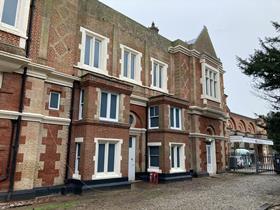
15, 144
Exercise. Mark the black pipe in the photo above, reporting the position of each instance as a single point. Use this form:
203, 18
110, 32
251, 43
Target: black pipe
17, 137
29, 32
146, 143
15, 144
10, 153
70, 133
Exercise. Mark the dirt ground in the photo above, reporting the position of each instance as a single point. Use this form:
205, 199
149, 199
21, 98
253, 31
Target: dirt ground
226, 191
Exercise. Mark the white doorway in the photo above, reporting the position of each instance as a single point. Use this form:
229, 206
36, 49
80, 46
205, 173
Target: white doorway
131, 158
211, 157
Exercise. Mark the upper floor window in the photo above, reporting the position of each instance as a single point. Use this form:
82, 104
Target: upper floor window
175, 118
93, 51
154, 117
159, 75
9, 12
81, 105
54, 100
14, 16
131, 65
211, 83
109, 106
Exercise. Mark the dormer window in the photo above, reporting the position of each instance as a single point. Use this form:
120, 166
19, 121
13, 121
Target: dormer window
211, 82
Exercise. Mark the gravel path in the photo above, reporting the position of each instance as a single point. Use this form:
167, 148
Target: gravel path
227, 191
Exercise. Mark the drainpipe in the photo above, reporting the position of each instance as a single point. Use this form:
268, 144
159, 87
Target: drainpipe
17, 129
10, 153
146, 143
70, 133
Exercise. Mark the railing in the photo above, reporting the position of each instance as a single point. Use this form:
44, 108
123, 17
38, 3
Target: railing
250, 163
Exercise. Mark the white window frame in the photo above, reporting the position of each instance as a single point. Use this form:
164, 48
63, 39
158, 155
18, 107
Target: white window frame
182, 167
174, 118
52, 108
76, 174
81, 104
205, 67
104, 56
164, 76
1, 79
150, 168
21, 22
107, 118
118, 158
150, 127
138, 67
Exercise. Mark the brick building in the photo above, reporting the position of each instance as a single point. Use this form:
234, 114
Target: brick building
94, 98
248, 133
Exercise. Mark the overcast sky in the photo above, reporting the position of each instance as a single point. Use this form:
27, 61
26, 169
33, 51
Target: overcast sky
234, 27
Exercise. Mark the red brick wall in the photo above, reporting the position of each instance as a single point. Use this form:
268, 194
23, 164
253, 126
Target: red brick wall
165, 138
10, 92
5, 141
89, 132
140, 113
205, 122
48, 173
219, 155
203, 155
8, 38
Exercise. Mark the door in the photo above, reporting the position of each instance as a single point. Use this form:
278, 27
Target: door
131, 158
209, 158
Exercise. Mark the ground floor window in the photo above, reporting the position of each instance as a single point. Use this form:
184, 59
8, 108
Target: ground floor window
107, 158
154, 157
77, 157
177, 157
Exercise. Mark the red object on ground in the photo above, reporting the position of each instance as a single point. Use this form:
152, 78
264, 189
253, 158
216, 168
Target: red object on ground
154, 178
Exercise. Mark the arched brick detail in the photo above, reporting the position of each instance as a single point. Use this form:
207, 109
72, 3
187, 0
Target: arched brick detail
231, 124
205, 123
242, 126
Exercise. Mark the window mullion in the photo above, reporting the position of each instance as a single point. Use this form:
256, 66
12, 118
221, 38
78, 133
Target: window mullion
106, 154
129, 65
157, 73
108, 105
91, 60
174, 117
175, 156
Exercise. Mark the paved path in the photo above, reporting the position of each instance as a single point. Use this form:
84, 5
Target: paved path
227, 191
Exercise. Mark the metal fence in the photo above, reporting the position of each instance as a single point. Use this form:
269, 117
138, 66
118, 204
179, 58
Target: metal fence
250, 163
